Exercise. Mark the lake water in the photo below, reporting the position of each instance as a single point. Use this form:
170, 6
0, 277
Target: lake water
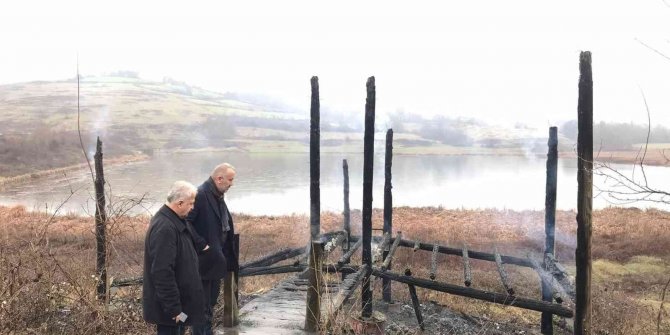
273, 184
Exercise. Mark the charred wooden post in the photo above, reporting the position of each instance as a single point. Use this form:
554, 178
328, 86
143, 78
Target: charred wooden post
313, 313
498, 298
467, 273
546, 324
582, 320
368, 159
346, 211
236, 246
347, 256
314, 162
415, 300
230, 292
100, 225
387, 261
433, 263
503, 274
388, 206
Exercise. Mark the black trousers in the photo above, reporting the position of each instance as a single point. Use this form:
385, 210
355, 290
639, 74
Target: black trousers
177, 329
211, 289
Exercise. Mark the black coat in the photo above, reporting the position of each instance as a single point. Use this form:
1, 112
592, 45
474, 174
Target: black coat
206, 219
172, 283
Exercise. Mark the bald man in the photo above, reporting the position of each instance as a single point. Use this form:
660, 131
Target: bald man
214, 226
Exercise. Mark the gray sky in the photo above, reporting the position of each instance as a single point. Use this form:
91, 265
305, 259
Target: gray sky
502, 61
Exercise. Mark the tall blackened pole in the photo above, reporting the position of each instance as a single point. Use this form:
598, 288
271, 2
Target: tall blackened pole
314, 162
584, 195
550, 221
368, 157
100, 225
388, 206
346, 212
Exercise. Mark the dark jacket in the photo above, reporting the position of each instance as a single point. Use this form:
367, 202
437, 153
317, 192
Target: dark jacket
206, 219
172, 283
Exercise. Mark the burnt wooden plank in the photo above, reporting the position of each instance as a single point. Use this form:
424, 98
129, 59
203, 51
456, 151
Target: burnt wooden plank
394, 247
433, 263
458, 252
498, 298
503, 274
347, 256
467, 273
274, 258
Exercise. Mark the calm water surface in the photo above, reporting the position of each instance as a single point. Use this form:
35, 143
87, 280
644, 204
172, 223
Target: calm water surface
273, 184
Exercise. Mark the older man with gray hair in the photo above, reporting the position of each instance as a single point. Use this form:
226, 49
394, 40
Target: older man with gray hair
215, 235
172, 291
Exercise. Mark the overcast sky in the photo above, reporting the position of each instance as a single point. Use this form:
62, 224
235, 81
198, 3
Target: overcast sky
502, 61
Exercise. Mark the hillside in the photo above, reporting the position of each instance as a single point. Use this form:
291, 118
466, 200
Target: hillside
38, 125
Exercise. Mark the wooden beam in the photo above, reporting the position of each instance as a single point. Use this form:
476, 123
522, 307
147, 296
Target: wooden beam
546, 325
347, 256
274, 269
415, 301
346, 212
100, 225
396, 242
230, 306
472, 254
548, 281
388, 206
498, 298
503, 274
433, 263
345, 291
315, 162
274, 258
368, 160
583, 311
313, 312
467, 273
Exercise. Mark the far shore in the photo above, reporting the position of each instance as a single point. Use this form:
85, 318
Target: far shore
653, 157
29, 177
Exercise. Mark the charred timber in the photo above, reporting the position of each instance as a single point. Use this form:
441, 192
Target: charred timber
503, 274
394, 247
415, 301
347, 288
467, 273
347, 256
274, 258
270, 270
498, 298
433, 263
472, 254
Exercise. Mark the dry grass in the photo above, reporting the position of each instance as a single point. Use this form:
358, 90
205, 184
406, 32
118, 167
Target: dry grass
47, 284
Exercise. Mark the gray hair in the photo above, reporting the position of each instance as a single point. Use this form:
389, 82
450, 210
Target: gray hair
181, 190
221, 169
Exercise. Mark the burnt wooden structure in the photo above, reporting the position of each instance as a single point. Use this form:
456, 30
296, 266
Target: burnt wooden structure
297, 304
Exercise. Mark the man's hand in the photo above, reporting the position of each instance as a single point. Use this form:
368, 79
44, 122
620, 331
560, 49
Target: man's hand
180, 317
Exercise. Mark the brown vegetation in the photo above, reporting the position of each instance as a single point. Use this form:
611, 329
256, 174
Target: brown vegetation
46, 264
